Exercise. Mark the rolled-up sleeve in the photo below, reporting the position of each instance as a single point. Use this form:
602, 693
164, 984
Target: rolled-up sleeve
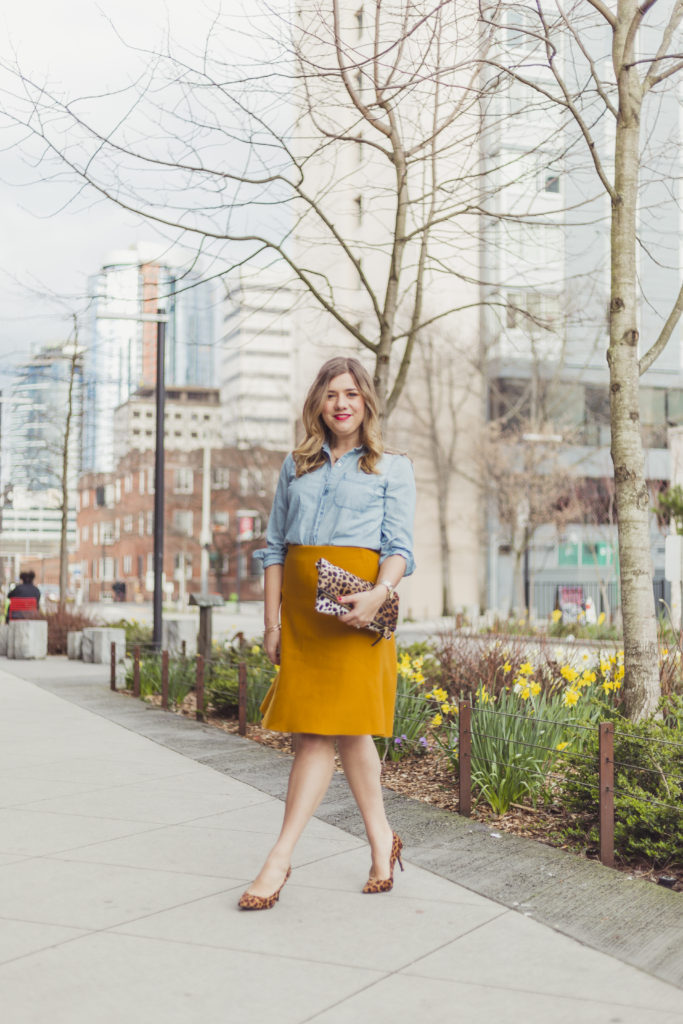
399, 513
276, 547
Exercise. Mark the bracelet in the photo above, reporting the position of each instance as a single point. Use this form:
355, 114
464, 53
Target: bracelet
271, 629
390, 587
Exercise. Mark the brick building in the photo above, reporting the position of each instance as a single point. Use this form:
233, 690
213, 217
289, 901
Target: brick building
115, 523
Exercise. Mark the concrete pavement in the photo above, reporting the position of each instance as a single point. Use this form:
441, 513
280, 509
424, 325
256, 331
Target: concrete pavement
128, 833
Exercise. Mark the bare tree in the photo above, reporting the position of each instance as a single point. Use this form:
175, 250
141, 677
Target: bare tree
527, 483
603, 64
349, 159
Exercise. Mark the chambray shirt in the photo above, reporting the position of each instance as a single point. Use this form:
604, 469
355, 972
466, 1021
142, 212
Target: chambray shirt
342, 506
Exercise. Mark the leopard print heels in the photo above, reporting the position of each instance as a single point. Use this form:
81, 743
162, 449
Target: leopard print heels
248, 901
386, 884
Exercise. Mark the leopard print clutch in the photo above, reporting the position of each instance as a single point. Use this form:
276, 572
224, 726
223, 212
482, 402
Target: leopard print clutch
334, 583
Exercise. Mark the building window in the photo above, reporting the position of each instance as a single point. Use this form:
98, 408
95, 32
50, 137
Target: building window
183, 480
551, 182
150, 479
358, 204
221, 519
85, 499
183, 521
220, 478
127, 565
150, 522
128, 483
142, 481
127, 524
94, 533
84, 534
117, 491
117, 528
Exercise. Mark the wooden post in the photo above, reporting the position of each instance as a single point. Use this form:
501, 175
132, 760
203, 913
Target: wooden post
242, 723
204, 639
465, 757
199, 688
183, 649
606, 788
136, 670
164, 679
112, 666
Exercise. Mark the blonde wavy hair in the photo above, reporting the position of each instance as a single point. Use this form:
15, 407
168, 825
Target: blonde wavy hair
309, 454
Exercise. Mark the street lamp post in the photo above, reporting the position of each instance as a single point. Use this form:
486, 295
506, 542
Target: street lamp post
160, 318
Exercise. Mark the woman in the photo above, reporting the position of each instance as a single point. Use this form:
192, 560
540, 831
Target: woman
341, 497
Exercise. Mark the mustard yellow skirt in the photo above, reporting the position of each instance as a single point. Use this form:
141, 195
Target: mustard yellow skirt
332, 680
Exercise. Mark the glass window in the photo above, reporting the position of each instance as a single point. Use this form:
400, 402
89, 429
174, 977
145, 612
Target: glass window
568, 554
183, 480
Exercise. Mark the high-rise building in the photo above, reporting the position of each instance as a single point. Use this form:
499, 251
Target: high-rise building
121, 345
34, 437
255, 364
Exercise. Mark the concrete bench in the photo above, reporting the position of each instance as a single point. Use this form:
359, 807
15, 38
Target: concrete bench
174, 631
74, 644
27, 639
96, 644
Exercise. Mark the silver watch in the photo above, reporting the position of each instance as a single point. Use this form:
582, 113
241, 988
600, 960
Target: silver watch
390, 587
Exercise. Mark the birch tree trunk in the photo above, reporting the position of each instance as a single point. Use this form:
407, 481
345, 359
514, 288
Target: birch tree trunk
641, 652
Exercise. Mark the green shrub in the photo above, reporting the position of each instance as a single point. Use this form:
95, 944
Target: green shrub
181, 677
136, 632
648, 782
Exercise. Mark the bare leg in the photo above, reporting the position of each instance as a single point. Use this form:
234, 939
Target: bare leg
308, 782
362, 768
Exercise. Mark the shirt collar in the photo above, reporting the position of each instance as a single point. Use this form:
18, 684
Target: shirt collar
328, 450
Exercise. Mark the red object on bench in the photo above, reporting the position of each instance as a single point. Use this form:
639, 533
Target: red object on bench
23, 608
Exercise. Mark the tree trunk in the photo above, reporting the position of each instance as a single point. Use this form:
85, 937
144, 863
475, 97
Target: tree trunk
641, 655
63, 538
445, 549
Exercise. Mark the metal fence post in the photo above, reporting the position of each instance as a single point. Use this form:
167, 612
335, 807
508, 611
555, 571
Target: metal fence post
136, 670
242, 699
465, 757
606, 789
199, 689
164, 679
112, 666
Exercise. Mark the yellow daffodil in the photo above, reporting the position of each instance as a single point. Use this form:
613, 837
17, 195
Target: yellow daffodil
255, 649
607, 686
437, 720
604, 667
446, 709
535, 688
568, 673
524, 694
562, 746
570, 698
556, 615
526, 669
484, 697
665, 652
507, 667
601, 618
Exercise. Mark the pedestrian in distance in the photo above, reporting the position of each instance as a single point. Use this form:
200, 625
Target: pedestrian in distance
21, 596
343, 498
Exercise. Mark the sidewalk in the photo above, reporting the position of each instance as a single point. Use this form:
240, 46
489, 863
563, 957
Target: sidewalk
127, 835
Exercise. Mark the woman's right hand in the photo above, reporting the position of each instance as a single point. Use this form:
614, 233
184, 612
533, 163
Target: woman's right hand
271, 644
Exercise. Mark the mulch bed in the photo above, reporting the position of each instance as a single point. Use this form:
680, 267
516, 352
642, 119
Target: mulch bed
429, 777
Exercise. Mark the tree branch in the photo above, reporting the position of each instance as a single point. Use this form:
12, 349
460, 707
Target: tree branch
653, 353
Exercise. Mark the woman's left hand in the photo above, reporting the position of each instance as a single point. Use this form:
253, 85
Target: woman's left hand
363, 607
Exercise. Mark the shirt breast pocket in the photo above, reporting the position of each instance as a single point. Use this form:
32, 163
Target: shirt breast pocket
359, 493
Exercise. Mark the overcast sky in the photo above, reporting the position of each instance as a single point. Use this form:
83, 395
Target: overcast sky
44, 248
